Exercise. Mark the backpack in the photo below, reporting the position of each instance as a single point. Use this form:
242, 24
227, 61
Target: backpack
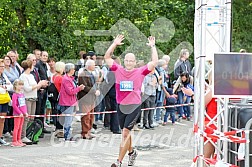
34, 130
53, 93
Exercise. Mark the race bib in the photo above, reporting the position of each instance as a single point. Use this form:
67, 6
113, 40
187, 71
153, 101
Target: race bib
21, 101
126, 85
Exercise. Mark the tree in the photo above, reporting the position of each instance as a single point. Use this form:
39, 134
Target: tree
49, 25
59, 26
241, 28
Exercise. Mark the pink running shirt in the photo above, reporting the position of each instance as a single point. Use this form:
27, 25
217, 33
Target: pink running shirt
128, 83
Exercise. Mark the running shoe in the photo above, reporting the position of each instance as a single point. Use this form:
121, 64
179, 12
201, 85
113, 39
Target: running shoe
3, 142
179, 119
70, 140
7, 135
117, 164
132, 158
26, 141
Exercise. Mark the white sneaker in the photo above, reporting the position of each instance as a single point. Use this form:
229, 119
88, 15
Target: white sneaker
3, 142
7, 135
132, 158
92, 136
26, 140
160, 122
116, 164
155, 124
99, 122
93, 131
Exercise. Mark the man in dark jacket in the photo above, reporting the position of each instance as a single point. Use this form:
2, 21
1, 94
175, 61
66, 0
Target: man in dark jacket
42, 93
182, 64
109, 91
87, 98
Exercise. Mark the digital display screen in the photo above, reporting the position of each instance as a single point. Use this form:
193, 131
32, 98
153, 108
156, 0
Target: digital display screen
232, 74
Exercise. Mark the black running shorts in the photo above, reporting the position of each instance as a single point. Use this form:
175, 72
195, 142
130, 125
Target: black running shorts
128, 115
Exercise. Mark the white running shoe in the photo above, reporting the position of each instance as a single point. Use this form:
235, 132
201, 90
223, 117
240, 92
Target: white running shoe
116, 164
132, 158
3, 142
26, 140
93, 131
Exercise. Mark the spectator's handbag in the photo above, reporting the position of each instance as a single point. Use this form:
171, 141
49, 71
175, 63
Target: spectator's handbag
5, 98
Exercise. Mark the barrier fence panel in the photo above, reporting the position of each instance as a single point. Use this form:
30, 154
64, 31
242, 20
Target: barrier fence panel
211, 34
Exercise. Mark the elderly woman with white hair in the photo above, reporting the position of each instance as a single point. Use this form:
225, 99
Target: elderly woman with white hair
67, 99
166, 58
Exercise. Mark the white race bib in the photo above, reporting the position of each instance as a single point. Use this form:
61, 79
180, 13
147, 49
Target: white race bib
126, 86
21, 101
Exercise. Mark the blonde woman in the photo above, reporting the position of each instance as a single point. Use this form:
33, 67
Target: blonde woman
57, 80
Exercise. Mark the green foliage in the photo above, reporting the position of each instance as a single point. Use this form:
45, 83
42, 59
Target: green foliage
242, 34
50, 24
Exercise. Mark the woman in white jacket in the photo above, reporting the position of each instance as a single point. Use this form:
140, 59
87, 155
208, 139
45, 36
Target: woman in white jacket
5, 86
30, 92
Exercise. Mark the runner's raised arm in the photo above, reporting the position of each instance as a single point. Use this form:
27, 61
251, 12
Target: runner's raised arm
154, 55
117, 41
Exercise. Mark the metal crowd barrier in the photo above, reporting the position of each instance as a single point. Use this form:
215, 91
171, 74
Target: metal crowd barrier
233, 124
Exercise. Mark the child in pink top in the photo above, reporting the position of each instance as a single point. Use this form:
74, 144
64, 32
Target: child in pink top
19, 109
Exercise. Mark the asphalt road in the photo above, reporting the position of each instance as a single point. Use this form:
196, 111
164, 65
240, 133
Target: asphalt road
169, 146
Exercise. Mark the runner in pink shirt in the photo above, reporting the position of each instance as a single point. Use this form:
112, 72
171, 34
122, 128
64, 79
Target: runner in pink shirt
128, 93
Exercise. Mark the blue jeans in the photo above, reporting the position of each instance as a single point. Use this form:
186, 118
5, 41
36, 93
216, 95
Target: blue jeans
67, 120
180, 101
172, 114
170, 110
100, 107
158, 111
187, 109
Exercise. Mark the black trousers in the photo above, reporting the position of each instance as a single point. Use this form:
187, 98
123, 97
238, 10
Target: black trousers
41, 104
111, 120
9, 122
54, 112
